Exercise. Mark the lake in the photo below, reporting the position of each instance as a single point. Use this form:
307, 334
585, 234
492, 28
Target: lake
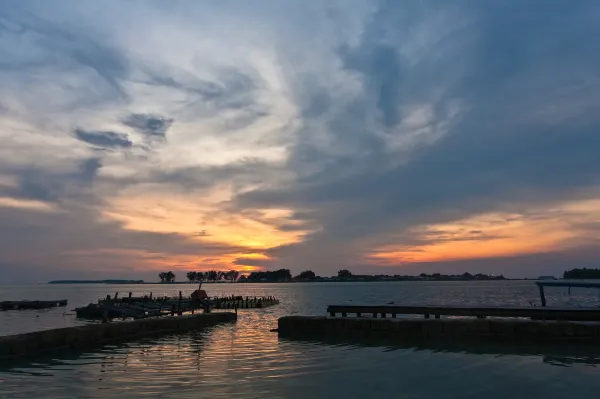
246, 360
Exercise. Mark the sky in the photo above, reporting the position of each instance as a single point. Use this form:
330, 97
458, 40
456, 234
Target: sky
384, 137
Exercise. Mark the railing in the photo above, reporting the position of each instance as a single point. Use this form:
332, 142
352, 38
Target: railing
481, 312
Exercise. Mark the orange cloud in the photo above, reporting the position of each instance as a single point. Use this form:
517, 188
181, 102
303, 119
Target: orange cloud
200, 217
496, 235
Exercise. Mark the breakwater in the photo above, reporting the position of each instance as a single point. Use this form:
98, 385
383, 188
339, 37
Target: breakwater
510, 329
95, 334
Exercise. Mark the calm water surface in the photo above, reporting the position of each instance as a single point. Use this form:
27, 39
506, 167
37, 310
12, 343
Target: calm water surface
245, 360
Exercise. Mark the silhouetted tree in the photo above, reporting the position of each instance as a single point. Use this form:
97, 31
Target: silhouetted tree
162, 276
307, 275
278, 275
344, 273
212, 275
192, 276
170, 277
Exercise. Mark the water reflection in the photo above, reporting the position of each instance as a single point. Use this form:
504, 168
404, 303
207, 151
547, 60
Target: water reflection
556, 354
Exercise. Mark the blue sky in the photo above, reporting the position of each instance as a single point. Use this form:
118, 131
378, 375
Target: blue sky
379, 136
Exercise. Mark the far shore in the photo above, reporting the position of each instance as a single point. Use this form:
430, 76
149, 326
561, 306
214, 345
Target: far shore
74, 282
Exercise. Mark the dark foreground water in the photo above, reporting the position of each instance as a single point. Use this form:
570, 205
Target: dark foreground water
245, 360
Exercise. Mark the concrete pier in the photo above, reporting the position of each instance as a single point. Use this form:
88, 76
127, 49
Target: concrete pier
511, 329
95, 334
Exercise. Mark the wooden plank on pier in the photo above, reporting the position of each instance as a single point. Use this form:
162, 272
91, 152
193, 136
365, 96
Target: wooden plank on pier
537, 313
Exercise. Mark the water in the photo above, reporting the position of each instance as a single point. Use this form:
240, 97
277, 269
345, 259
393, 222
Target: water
245, 360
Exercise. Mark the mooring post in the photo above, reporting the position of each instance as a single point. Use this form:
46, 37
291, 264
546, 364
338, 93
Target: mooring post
179, 311
542, 296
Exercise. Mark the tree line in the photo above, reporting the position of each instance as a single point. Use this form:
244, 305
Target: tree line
213, 275
584, 273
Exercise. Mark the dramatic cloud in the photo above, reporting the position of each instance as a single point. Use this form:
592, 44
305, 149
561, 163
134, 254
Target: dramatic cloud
148, 124
378, 136
103, 139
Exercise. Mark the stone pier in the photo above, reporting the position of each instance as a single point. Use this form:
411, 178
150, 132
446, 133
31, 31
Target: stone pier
95, 334
511, 329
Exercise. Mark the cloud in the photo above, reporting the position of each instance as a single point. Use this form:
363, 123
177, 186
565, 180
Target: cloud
389, 137
103, 139
151, 125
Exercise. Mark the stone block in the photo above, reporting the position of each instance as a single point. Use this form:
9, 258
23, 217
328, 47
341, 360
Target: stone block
53, 338
18, 346
433, 328
381, 325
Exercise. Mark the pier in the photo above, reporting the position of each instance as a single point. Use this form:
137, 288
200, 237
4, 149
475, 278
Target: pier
480, 312
149, 306
496, 323
98, 334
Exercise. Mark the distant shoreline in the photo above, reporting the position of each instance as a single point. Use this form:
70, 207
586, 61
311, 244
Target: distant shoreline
139, 282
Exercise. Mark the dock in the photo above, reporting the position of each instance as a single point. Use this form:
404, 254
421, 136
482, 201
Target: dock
149, 306
99, 334
28, 305
480, 312
441, 322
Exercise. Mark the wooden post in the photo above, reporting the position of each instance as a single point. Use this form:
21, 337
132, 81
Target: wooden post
383, 315
150, 295
437, 316
129, 294
426, 315
358, 314
344, 314
542, 296
179, 311
374, 315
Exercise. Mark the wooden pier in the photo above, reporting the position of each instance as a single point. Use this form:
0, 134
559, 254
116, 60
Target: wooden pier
28, 305
149, 306
480, 312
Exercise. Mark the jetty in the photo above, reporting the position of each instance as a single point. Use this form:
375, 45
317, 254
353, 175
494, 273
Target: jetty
98, 334
28, 305
148, 306
426, 322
